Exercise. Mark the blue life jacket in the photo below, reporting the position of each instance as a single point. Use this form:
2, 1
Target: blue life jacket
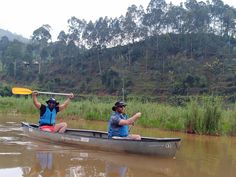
49, 117
118, 130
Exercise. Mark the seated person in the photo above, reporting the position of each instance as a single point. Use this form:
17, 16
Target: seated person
47, 121
119, 122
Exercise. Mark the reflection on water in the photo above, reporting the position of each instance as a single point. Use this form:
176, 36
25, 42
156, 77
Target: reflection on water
43, 165
11, 172
198, 156
74, 164
114, 169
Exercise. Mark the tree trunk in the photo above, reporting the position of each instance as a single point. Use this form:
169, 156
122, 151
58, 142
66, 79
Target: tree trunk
15, 69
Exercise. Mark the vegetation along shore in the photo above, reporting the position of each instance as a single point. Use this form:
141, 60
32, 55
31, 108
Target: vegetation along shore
200, 115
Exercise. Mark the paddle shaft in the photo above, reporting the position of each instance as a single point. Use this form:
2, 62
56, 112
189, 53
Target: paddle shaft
53, 93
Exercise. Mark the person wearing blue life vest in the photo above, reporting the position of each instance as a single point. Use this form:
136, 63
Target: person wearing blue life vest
48, 113
119, 122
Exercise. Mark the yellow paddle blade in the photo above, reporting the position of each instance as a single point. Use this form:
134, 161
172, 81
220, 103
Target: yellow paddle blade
21, 91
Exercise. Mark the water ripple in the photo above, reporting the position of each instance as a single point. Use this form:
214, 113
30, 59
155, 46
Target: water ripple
10, 153
8, 138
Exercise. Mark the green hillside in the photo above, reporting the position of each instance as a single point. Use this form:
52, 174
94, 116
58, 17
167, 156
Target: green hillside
152, 52
11, 36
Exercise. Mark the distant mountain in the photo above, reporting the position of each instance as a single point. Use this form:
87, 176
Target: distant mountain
11, 36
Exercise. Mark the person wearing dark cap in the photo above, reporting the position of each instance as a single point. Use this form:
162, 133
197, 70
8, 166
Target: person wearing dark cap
47, 121
119, 122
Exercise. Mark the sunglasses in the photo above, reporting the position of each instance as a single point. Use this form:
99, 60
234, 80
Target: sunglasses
51, 102
121, 106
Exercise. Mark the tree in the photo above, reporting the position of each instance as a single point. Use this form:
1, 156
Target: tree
115, 32
62, 37
229, 17
174, 18
76, 30
198, 16
154, 17
40, 38
14, 54
88, 34
111, 80
4, 42
59, 47
217, 10
42, 34
71, 54
154, 20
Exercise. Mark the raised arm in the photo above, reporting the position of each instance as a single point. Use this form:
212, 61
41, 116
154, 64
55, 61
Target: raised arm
66, 103
131, 120
37, 104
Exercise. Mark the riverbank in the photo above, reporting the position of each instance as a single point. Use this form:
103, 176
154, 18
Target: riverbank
200, 115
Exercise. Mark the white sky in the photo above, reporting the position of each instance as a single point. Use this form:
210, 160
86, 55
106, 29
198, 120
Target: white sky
24, 16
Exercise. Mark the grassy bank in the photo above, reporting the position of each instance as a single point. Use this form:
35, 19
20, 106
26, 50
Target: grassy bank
202, 115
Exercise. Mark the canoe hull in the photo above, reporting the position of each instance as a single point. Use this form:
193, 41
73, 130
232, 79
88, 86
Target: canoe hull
99, 140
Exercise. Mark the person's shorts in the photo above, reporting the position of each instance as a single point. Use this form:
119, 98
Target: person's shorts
49, 128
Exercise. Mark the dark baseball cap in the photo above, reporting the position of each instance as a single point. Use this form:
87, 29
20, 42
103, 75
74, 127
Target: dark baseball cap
118, 104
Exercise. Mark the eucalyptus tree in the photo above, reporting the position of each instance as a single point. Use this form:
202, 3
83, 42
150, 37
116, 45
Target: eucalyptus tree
142, 29
40, 38
198, 22
154, 17
14, 55
217, 11
71, 54
111, 79
229, 20
89, 34
154, 20
130, 24
98, 36
115, 32
4, 42
174, 18
229, 24
62, 37
132, 27
28, 54
42, 34
198, 16
174, 21
129, 28
102, 32
59, 47
76, 30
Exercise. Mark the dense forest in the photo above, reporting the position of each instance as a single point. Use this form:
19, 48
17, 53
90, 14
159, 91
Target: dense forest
165, 49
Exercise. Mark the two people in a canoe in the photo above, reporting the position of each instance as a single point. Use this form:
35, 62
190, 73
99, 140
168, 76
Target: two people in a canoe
119, 122
48, 113
118, 125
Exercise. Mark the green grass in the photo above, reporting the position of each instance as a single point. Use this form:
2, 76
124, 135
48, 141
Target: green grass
201, 115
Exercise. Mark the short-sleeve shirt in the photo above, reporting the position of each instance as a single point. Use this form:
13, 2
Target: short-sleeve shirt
114, 129
116, 118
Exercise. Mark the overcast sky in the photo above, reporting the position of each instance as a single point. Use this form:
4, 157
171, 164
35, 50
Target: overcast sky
24, 16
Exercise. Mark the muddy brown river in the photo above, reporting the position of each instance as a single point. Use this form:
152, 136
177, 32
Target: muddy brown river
199, 156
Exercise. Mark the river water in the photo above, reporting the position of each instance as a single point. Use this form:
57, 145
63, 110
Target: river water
199, 156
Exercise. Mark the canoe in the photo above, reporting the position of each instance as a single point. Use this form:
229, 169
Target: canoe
166, 147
